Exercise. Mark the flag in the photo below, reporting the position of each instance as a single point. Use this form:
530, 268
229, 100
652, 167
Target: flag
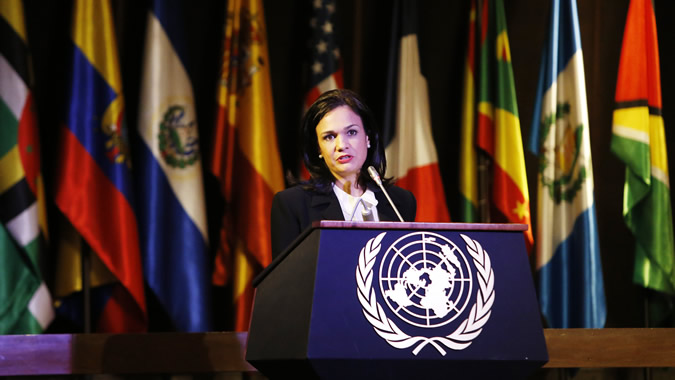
325, 64
93, 184
171, 209
571, 290
245, 154
25, 301
498, 130
638, 139
409, 145
468, 167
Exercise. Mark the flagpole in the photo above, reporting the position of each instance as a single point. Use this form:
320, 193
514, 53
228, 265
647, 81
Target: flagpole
646, 371
85, 259
483, 187
483, 160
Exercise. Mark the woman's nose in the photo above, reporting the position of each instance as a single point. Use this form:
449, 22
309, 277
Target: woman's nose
339, 143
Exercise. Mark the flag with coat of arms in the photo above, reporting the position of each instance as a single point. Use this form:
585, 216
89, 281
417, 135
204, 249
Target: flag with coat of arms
93, 184
571, 290
171, 208
245, 157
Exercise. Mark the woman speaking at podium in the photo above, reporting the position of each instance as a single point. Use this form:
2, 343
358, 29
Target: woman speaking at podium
345, 158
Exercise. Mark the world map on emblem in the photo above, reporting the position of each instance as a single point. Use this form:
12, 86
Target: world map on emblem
425, 279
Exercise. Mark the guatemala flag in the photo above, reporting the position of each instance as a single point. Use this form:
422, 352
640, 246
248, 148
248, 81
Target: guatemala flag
171, 211
571, 291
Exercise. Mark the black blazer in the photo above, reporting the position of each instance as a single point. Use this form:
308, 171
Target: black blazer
294, 209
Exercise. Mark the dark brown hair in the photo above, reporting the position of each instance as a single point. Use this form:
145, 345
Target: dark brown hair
321, 177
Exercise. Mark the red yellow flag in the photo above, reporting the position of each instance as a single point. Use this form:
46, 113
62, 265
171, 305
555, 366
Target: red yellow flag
498, 122
468, 166
245, 158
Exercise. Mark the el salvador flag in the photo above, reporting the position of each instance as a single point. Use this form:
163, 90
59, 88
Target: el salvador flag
171, 211
571, 290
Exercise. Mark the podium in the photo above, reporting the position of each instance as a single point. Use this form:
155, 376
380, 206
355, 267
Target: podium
398, 300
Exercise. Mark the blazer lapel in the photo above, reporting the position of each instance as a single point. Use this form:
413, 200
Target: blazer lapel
384, 210
326, 207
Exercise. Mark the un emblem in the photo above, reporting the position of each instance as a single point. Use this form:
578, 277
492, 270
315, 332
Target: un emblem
427, 281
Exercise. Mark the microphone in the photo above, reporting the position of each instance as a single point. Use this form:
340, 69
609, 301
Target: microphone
376, 177
366, 213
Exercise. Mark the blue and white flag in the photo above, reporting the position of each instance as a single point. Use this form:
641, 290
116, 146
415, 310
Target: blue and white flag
171, 211
571, 291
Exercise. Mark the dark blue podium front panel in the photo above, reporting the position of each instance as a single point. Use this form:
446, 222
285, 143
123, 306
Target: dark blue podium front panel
423, 296
400, 304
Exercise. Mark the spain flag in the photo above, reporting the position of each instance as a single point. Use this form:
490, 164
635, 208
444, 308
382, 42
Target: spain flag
245, 155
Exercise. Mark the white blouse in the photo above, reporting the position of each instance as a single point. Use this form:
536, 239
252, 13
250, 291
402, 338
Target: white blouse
352, 207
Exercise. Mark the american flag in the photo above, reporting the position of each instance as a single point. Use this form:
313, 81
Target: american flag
325, 66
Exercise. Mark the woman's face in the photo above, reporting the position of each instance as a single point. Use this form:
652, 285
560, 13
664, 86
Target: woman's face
343, 143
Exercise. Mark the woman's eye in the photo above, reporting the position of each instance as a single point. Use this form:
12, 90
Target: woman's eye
352, 132
328, 137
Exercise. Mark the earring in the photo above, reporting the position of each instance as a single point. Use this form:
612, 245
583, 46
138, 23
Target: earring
320, 156
368, 144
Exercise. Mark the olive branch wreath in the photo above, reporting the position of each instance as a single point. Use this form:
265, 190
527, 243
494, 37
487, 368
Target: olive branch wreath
459, 339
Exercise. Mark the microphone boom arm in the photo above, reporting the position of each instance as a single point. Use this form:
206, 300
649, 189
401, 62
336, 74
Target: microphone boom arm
376, 177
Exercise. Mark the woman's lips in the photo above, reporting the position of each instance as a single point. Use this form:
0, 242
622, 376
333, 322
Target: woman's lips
344, 159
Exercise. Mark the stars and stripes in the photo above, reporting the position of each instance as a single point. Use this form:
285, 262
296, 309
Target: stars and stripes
325, 66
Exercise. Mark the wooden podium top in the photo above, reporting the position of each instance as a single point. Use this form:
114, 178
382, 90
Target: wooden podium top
421, 226
182, 353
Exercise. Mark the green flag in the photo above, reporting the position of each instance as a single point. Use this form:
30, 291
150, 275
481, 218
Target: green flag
639, 141
25, 302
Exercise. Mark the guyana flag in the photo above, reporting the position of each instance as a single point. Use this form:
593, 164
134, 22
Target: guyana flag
639, 141
25, 302
498, 130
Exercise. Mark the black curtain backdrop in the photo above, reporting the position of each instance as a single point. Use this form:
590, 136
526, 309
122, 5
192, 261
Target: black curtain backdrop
363, 28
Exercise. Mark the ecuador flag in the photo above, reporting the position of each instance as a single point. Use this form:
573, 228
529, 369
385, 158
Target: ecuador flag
93, 186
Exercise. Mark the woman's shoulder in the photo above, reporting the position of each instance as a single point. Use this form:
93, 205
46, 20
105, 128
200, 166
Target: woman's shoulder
296, 192
398, 191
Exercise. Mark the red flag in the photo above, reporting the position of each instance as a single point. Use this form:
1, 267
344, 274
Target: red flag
411, 153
